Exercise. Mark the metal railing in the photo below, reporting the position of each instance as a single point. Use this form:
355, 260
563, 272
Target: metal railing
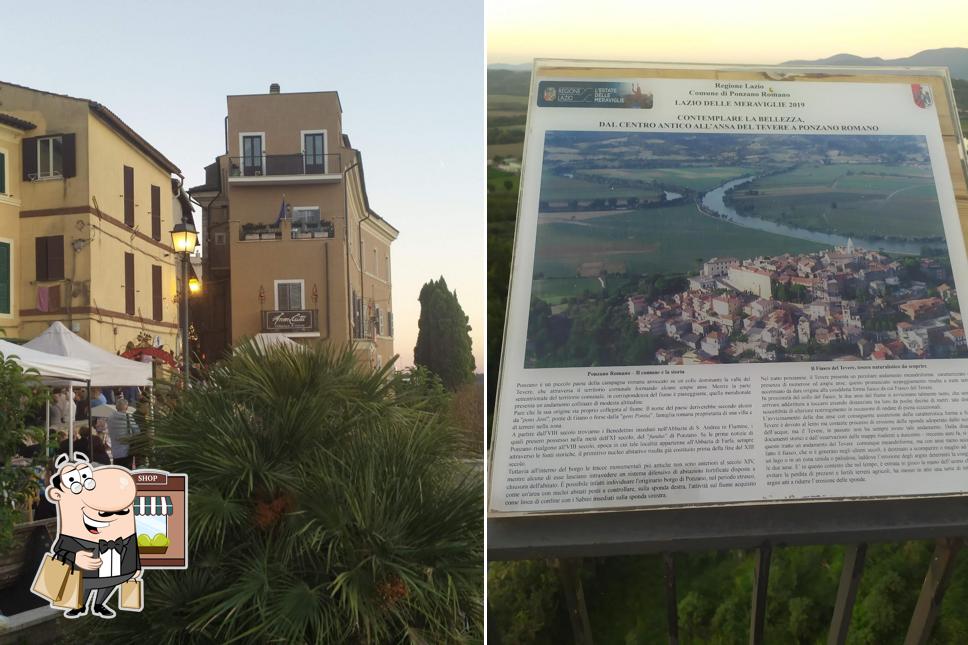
855, 524
263, 232
284, 165
305, 231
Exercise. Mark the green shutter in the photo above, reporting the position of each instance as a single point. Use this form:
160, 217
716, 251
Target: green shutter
4, 278
3, 173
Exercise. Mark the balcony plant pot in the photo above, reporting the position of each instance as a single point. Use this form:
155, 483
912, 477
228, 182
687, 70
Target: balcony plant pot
251, 236
267, 236
304, 235
320, 233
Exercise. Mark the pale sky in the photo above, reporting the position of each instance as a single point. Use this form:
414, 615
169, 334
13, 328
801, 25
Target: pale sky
410, 78
737, 31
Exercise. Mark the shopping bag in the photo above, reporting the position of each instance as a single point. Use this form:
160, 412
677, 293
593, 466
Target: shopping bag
131, 595
56, 582
73, 595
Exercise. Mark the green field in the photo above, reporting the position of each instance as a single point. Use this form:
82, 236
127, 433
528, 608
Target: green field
496, 179
894, 201
555, 187
554, 291
660, 240
699, 179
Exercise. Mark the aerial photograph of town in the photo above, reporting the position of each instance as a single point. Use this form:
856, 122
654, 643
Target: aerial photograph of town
680, 248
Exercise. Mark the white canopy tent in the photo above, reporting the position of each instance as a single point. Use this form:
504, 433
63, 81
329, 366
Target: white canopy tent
107, 369
53, 369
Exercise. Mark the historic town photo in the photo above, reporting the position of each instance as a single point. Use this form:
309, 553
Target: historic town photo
681, 248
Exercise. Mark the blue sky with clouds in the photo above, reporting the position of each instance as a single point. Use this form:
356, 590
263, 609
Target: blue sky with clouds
410, 78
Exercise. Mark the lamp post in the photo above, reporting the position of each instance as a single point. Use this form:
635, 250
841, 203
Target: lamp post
184, 237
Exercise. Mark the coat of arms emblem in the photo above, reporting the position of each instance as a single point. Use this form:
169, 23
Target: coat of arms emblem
922, 95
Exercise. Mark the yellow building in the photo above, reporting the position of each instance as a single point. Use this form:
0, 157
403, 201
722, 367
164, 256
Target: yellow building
291, 244
86, 206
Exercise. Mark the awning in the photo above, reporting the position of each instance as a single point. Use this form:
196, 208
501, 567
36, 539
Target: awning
156, 505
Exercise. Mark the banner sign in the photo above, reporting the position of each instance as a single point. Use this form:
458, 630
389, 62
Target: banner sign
746, 291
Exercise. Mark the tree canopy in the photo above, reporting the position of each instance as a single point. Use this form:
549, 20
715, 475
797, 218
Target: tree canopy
444, 340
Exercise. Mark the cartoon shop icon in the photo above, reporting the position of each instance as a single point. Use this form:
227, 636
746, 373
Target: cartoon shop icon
98, 549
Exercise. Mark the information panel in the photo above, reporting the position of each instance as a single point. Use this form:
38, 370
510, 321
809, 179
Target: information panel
734, 285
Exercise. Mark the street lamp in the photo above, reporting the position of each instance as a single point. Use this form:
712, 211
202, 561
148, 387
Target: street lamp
184, 237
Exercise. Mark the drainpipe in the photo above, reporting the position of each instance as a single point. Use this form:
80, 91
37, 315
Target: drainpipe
359, 233
346, 234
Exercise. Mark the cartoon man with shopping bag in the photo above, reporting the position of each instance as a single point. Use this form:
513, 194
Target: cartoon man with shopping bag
96, 549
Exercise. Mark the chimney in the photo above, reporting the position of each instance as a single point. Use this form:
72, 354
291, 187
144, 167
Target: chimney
274, 88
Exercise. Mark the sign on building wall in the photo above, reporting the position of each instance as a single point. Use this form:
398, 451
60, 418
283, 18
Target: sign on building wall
289, 321
733, 285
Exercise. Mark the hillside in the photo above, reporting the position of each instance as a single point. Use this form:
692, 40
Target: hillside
954, 58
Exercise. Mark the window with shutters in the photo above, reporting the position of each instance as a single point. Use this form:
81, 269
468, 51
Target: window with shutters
3, 171
289, 295
50, 157
129, 284
49, 260
129, 196
5, 277
156, 295
156, 213
389, 323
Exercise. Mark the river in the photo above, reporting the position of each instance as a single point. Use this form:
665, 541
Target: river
715, 202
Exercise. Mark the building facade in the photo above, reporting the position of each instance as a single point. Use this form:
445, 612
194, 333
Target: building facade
85, 215
291, 245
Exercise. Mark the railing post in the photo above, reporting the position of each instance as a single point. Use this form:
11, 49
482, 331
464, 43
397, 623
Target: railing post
932, 591
761, 580
854, 556
575, 600
672, 598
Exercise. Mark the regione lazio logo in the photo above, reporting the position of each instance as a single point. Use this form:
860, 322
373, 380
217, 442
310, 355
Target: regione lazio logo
550, 94
112, 524
922, 95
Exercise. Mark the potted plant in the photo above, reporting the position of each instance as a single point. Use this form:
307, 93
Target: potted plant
302, 233
250, 231
268, 234
21, 479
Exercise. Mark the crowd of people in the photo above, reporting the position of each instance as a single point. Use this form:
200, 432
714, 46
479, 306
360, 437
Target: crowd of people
102, 424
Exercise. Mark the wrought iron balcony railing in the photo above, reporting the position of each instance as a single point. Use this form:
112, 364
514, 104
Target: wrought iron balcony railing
284, 165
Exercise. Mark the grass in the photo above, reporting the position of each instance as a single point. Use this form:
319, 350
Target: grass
497, 177
661, 240
699, 179
555, 187
882, 200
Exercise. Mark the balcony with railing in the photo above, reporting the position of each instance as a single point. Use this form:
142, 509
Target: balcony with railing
304, 231
251, 232
285, 169
287, 229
